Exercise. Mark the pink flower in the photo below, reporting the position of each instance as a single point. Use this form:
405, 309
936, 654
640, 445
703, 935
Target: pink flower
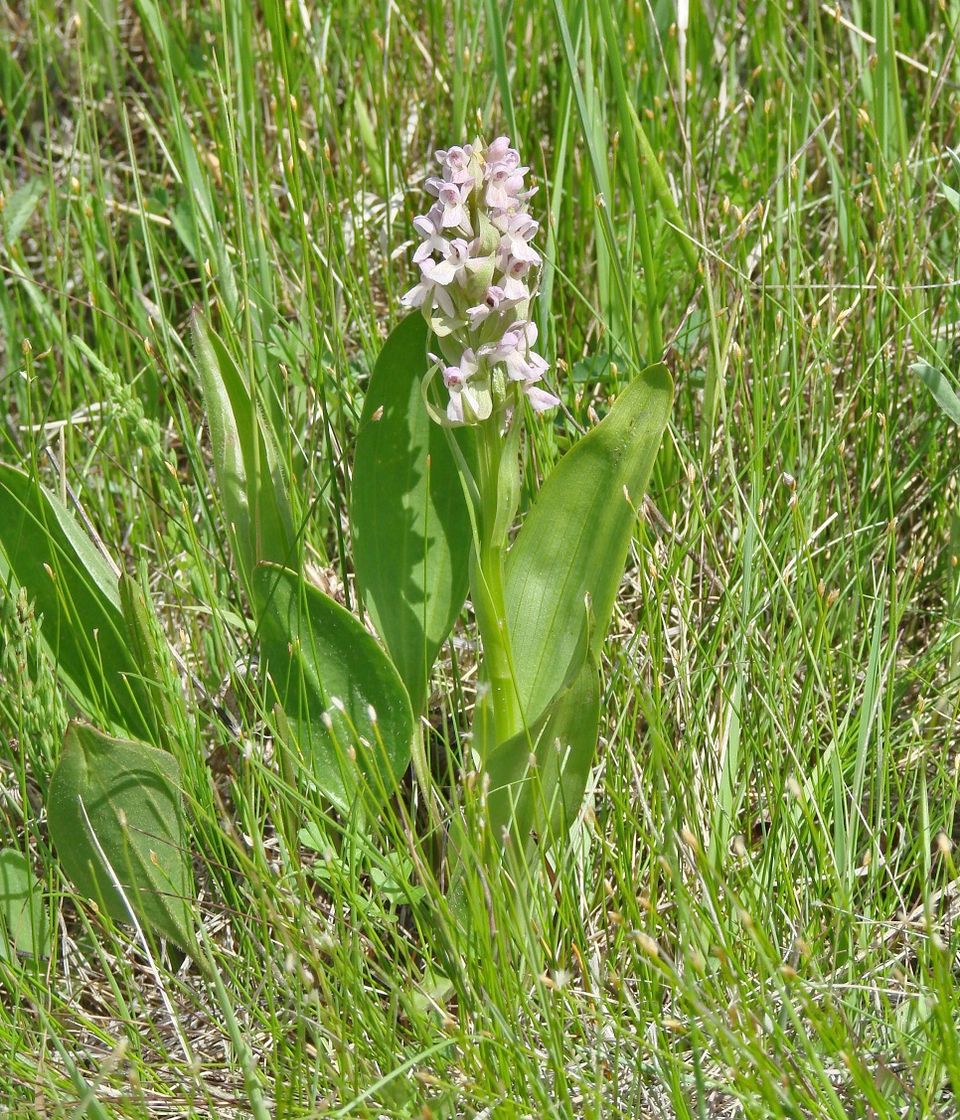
429, 291
516, 258
495, 299
504, 186
465, 401
516, 223
452, 197
540, 400
514, 351
500, 151
452, 267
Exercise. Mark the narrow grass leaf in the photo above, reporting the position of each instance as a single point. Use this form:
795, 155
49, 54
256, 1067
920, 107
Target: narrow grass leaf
20, 207
245, 460
149, 649
497, 40
943, 392
637, 188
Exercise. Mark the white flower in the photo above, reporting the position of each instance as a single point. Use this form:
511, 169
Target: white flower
429, 227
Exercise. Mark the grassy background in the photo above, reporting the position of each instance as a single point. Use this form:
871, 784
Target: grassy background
756, 915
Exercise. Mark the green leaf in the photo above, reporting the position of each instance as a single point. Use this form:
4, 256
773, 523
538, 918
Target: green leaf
149, 649
245, 460
337, 687
544, 800
75, 590
940, 387
20, 207
23, 919
411, 524
116, 819
573, 545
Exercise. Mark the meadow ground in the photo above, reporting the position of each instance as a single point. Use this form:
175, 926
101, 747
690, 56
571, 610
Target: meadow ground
756, 914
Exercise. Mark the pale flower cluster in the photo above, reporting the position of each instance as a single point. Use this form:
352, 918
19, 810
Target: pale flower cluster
478, 276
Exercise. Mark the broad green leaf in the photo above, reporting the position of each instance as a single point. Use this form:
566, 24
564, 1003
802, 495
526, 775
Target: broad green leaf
573, 545
544, 800
411, 524
116, 819
339, 691
23, 918
940, 387
245, 460
75, 590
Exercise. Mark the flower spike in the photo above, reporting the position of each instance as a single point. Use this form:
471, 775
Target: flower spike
479, 275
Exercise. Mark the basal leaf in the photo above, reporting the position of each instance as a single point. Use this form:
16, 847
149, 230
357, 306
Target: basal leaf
411, 525
574, 542
116, 819
339, 691
75, 590
23, 917
245, 459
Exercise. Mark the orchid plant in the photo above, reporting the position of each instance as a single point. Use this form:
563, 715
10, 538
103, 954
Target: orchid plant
435, 518
475, 296
437, 492
436, 497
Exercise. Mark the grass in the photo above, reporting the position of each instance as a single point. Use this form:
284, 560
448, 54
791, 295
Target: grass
756, 915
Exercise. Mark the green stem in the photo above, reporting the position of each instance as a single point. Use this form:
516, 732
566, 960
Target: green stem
497, 486
421, 767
